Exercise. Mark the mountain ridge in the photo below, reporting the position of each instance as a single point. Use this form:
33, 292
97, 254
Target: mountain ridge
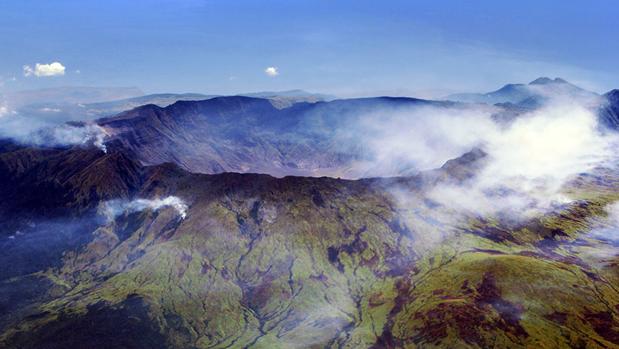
268, 261
254, 134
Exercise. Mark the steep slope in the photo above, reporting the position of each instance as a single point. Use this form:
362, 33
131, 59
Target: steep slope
242, 134
609, 111
339, 138
62, 179
313, 262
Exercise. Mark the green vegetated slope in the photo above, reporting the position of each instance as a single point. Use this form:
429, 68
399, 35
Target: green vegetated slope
317, 262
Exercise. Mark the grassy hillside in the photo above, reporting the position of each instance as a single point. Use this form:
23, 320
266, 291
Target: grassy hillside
317, 262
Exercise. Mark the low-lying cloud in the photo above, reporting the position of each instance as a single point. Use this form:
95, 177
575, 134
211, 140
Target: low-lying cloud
66, 134
609, 231
113, 208
49, 131
528, 160
420, 138
39, 134
44, 70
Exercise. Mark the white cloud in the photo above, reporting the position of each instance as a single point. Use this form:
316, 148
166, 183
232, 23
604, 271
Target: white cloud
271, 71
528, 161
66, 134
40, 70
422, 138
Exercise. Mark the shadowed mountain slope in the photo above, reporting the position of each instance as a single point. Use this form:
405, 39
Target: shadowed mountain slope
243, 134
609, 112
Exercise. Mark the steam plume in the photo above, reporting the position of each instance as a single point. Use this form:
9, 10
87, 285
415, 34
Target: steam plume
113, 208
528, 160
71, 135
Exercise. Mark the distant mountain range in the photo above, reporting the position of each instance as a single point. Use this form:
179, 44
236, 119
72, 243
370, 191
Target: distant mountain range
69, 95
107, 108
283, 98
528, 95
58, 105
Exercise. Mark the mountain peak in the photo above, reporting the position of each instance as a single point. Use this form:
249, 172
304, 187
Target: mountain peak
614, 94
545, 80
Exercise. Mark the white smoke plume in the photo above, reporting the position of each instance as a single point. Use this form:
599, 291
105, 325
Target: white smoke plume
421, 138
71, 135
35, 130
113, 208
528, 161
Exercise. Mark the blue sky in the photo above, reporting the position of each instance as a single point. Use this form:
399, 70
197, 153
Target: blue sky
356, 47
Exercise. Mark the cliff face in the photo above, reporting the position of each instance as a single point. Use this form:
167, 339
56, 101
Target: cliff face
251, 135
609, 112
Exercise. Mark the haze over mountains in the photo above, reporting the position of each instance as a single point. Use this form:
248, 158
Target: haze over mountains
483, 221
237, 134
292, 132
532, 94
243, 134
25, 112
